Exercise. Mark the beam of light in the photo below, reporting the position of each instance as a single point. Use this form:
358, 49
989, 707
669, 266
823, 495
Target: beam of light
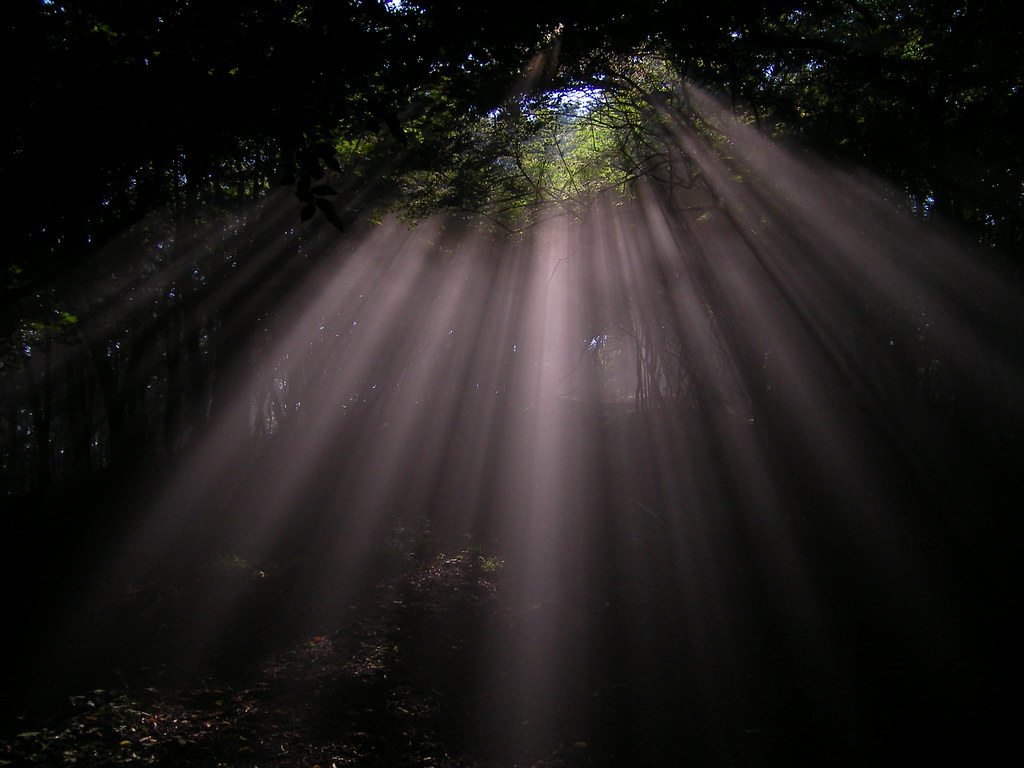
724, 437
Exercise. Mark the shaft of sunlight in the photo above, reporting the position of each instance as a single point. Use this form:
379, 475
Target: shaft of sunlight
706, 426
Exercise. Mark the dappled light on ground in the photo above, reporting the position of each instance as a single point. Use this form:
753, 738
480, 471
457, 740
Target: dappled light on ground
739, 441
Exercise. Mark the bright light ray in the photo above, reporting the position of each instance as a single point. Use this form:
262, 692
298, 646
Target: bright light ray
692, 423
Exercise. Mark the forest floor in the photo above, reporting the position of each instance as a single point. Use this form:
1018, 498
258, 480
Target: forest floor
389, 688
406, 674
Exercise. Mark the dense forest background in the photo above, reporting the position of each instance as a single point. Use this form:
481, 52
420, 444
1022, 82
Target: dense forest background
150, 145
845, 178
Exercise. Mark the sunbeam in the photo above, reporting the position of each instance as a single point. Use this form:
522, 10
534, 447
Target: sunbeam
730, 440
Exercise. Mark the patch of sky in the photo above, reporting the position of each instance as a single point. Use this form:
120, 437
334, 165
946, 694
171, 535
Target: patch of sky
577, 101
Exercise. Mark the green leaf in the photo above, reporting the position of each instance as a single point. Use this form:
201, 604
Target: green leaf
327, 154
328, 208
312, 168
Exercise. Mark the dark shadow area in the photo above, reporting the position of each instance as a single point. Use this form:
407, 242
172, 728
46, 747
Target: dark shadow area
675, 638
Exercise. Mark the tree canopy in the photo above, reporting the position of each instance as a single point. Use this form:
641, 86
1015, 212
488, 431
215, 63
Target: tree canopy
116, 109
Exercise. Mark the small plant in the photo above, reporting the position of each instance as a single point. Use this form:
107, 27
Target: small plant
478, 559
491, 565
411, 543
